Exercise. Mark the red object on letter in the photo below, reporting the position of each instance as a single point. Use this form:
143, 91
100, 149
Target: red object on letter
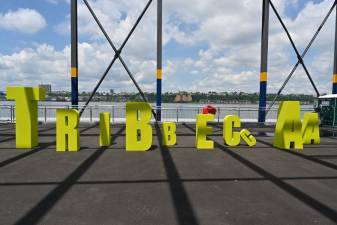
209, 110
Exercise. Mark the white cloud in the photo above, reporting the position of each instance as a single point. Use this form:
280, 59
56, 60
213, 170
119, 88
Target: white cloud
44, 64
232, 29
55, 2
22, 20
228, 61
52, 1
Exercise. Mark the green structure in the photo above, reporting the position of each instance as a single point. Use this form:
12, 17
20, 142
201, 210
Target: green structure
326, 106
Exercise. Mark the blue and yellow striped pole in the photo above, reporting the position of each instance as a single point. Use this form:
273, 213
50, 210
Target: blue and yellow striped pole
74, 54
334, 76
334, 84
159, 57
264, 62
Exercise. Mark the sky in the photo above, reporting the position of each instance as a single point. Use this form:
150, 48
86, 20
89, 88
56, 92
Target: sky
207, 45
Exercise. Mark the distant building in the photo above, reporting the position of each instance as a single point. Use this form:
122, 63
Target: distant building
183, 98
2, 95
47, 87
177, 98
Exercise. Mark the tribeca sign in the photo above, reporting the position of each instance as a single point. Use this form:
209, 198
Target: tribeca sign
290, 131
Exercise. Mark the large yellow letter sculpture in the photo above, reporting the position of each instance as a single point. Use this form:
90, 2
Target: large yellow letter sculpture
104, 125
26, 130
67, 133
288, 127
202, 130
231, 138
310, 129
248, 137
138, 127
169, 133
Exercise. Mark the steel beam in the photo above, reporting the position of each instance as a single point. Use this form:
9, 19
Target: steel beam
74, 54
117, 52
334, 76
264, 62
300, 59
302, 56
159, 56
117, 55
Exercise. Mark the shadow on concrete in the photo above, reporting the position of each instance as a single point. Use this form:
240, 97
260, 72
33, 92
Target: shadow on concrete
307, 199
183, 207
8, 139
90, 127
38, 211
6, 129
41, 146
324, 156
47, 129
303, 156
191, 180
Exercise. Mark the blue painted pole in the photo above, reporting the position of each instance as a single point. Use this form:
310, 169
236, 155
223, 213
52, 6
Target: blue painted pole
264, 62
334, 76
74, 54
159, 58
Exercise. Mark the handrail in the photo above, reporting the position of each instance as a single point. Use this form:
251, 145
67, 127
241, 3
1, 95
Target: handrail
153, 106
179, 113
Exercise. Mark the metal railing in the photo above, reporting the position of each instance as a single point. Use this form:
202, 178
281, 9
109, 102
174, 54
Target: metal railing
47, 113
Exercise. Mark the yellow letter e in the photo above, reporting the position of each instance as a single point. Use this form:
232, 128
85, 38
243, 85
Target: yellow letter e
202, 130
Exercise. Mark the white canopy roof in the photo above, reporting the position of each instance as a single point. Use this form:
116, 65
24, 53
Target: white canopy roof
328, 96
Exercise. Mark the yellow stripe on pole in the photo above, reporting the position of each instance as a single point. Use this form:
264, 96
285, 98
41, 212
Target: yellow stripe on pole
263, 76
159, 74
73, 72
334, 79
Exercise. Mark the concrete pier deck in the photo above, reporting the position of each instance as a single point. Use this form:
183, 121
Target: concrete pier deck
166, 186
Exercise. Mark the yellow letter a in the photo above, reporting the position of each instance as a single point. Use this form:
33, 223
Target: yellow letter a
288, 127
310, 129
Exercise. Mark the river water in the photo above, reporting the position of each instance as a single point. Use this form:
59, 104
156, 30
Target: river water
178, 112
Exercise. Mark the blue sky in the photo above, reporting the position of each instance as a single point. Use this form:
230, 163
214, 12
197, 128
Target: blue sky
53, 13
207, 46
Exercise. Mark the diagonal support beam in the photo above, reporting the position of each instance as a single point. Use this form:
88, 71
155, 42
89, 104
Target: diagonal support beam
300, 59
303, 55
117, 54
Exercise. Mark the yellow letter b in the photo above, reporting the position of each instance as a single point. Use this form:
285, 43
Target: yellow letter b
169, 133
138, 128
